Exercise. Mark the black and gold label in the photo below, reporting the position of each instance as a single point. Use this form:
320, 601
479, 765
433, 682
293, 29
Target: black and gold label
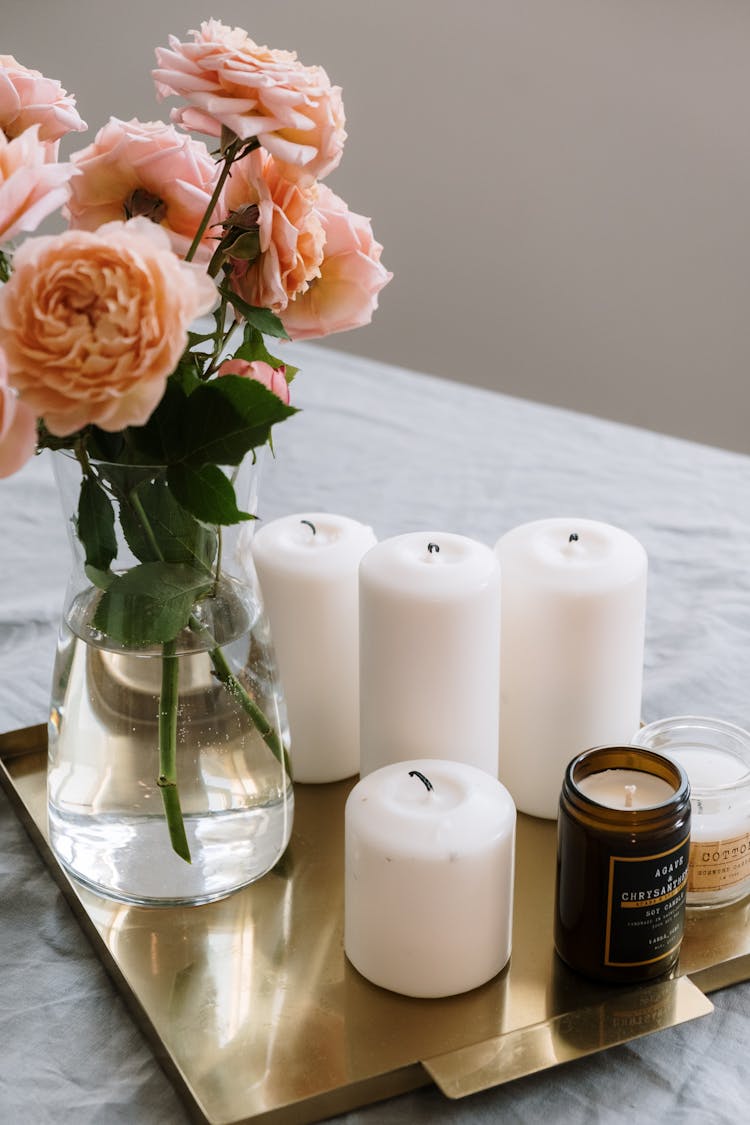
646, 906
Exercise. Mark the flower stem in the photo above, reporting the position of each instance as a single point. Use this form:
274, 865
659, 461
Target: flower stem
135, 500
226, 676
168, 711
170, 670
228, 158
222, 339
268, 733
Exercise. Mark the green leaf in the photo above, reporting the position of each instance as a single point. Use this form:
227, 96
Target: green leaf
262, 319
95, 524
253, 348
187, 374
100, 578
245, 246
161, 439
151, 603
104, 446
123, 478
157, 528
195, 338
207, 493
228, 417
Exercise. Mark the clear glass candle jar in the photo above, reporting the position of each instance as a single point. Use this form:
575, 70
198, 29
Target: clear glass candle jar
623, 839
716, 757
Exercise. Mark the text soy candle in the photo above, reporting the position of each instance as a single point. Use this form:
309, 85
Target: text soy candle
429, 651
623, 841
716, 757
573, 623
307, 565
428, 892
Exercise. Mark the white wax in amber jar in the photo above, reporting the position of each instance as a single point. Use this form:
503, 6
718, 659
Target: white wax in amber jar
429, 877
307, 565
626, 789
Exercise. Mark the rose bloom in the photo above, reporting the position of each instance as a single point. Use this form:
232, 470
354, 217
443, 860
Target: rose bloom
31, 188
93, 323
290, 233
271, 377
144, 168
351, 275
229, 81
28, 98
17, 426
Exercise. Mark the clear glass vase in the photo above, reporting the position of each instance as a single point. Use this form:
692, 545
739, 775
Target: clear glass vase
212, 694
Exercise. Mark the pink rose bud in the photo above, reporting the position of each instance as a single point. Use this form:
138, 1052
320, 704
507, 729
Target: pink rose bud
271, 377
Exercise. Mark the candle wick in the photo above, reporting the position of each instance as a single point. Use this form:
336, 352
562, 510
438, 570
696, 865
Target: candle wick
433, 547
630, 791
415, 773
311, 525
573, 537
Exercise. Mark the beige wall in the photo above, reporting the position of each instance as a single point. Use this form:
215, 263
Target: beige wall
562, 186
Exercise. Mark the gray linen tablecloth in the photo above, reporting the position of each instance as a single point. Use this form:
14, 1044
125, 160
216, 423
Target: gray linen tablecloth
402, 452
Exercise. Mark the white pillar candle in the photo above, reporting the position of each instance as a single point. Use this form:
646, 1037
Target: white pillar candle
429, 651
626, 789
574, 609
307, 565
428, 890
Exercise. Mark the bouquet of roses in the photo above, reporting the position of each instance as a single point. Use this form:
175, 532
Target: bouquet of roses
100, 354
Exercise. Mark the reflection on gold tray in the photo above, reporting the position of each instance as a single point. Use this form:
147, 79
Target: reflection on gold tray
256, 1015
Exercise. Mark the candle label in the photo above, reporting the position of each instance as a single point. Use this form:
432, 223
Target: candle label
715, 865
646, 906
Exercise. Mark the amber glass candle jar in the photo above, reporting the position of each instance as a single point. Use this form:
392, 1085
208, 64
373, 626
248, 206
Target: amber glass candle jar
623, 836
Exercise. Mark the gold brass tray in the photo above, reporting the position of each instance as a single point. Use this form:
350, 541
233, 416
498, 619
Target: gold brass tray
256, 1015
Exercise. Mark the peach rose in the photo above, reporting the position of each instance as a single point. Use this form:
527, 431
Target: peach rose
28, 98
290, 233
31, 188
271, 377
351, 275
144, 168
93, 323
229, 81
17, 427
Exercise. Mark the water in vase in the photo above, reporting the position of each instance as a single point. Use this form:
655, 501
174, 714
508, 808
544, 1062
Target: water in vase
106, 819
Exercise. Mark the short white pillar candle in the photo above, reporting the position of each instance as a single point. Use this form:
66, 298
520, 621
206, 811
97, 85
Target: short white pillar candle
307, 565
428, 891
429, 651
573, 623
